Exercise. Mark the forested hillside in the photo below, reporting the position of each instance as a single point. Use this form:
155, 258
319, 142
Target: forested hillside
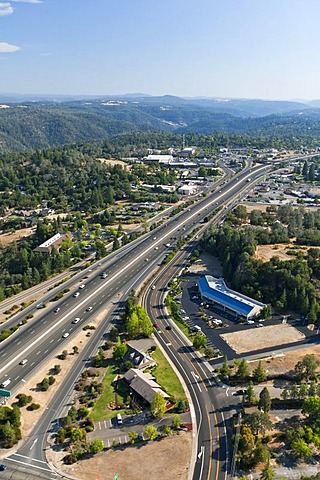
45, 124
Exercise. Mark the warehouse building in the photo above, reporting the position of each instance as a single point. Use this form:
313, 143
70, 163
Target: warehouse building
214, 290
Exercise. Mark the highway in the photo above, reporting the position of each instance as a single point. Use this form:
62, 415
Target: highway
42, 337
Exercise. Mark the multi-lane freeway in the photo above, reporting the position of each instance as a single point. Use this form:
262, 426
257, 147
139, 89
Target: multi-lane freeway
127, 268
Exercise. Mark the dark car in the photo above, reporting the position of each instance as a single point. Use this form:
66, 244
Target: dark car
240, 392
3, 467
168, 327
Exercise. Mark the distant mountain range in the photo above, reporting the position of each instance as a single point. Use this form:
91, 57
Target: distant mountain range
31, 122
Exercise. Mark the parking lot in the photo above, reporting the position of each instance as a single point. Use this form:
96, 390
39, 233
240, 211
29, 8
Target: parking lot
193, 310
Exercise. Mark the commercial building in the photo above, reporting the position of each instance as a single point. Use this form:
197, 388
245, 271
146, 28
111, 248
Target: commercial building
214, 290
53, 242
187, 189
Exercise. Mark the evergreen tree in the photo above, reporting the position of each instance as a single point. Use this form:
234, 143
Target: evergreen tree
243, 370
267, 472
259, 374
264, 400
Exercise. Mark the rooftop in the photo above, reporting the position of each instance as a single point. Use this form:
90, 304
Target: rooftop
217, 290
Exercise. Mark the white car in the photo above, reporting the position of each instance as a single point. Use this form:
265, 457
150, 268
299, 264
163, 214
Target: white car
89, 309
153, 287
65, 335
76, 320
82, 286
23, 362
76, 294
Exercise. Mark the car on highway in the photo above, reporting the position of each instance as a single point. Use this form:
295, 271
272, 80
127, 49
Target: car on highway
56, 310
156, 325
65, 335
40, 305
76, 294
23, 362
89, 309
154, 238
156, 248
82, 286
168, 327
104, 275
76, 320
3, 467
153, 287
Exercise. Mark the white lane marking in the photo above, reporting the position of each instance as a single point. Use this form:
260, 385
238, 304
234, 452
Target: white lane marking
34, 459
51, 340
122, 270
17, 378
202, 461
33, 444
201, 452
28, 464
105, 425
196, 377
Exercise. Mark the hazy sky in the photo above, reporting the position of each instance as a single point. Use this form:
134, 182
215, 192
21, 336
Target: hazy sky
216, 48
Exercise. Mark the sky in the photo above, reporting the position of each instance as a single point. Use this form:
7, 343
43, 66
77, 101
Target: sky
214, 48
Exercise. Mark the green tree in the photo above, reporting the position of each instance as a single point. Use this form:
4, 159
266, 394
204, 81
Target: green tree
133, 436
176, 421
199, 341
311, 408
306, 368
8, 435
259, 374
267, 472
301, 448
158, 405
250, 393
259, 422
96, 446
150, 432
225, 369
119, 351
264, 400
243, 370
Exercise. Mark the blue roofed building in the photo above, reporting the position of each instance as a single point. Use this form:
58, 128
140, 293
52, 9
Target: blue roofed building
214, 290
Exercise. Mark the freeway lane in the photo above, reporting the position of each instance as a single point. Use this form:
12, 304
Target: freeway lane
121, 268
125, 273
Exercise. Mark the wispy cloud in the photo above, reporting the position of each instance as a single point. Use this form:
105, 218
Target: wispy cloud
8, 48
5, 9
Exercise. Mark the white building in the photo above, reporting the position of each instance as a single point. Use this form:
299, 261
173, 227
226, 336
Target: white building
159, 158
187, 189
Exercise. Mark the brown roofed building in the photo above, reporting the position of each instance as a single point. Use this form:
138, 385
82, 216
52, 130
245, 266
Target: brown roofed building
53, 242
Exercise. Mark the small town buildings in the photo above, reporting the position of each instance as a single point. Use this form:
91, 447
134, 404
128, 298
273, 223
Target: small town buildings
137, 353
53, 242
159, 158
214, 290
143, 384
187, 189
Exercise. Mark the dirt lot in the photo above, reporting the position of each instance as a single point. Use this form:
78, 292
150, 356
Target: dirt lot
267, 337
7, 238
285, 362
266, 252
110, 161
166, 459
207, 265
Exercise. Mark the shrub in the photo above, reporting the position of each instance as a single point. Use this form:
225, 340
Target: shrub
33, 406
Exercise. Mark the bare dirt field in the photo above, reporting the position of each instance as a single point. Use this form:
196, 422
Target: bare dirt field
285, 362
7, 238
207, 265
110, 161
166, 459
267, 337
266, 252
